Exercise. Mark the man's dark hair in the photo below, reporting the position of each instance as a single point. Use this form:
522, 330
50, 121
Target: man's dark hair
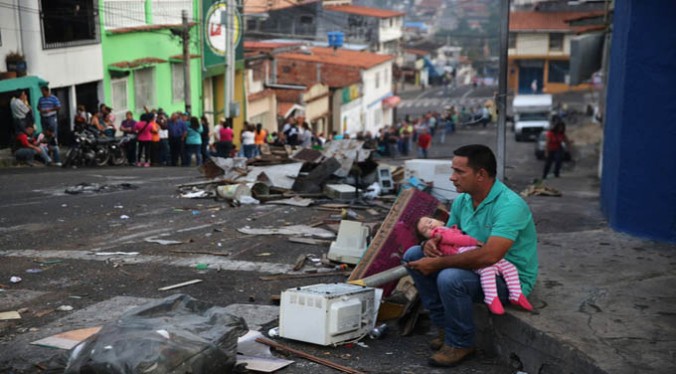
478, 157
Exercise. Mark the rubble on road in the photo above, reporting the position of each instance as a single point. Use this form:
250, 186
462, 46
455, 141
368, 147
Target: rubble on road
89, 188
540, 189
298, 230
282, 173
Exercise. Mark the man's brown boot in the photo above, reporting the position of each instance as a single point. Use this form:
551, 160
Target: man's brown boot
438, 342
449, 356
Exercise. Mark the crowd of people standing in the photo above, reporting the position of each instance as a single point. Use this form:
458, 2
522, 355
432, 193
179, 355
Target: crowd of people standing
158, 138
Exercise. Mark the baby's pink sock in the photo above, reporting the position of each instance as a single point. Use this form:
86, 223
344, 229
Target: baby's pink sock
496, 307
522, 302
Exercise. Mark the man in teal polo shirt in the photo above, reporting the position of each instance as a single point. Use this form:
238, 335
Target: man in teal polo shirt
496, 216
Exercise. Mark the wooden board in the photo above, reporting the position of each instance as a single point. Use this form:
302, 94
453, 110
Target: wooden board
68, 339
395, 236
9, 315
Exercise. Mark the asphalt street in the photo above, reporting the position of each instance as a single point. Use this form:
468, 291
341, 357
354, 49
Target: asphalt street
62, 235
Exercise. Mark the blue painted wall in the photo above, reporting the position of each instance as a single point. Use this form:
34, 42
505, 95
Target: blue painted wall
638, 186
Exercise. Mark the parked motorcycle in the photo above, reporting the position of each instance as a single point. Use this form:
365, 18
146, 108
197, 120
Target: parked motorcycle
94, 149
117, 150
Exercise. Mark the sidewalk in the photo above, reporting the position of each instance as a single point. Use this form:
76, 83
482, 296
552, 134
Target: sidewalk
604, 301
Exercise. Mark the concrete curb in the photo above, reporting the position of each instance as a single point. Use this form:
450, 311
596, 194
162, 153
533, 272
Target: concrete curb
528, 348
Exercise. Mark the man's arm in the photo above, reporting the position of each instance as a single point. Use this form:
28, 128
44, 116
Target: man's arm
493, 251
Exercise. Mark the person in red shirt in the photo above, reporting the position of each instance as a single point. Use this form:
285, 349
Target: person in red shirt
424, 142
556, 138
27, 149
224, 140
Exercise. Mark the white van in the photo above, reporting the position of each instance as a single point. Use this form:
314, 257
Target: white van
531, 115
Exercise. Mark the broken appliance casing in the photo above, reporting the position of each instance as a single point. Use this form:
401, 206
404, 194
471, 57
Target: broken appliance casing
340, 191
350, 244
436, 171
327, 314
385, 179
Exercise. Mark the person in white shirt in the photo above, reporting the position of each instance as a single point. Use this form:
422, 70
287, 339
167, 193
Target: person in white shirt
305, 136
248, 141
21, 111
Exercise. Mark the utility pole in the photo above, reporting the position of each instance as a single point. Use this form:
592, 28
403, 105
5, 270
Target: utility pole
185, 34
228, 21
501, 99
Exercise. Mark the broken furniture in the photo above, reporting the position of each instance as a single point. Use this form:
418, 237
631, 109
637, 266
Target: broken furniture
395, 236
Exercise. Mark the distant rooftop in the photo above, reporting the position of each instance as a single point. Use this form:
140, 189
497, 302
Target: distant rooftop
364, 11
329, 56
545, 21
262, 6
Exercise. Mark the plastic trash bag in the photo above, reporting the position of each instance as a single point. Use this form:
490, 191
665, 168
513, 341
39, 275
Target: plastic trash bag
178, 334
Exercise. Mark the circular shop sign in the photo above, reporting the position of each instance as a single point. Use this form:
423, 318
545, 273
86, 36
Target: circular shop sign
215, 30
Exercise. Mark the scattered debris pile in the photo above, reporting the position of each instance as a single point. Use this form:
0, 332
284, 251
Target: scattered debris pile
90, 188
344, 170
540, 189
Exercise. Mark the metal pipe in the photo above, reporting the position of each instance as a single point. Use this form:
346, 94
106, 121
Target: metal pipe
381, 278
501, 99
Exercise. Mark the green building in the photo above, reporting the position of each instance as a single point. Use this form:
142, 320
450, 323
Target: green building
143, 55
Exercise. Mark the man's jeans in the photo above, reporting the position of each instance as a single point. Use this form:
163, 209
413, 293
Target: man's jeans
27, 154
449, 296
50, 122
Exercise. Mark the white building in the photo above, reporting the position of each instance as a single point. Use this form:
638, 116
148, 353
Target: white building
360, 82
61, 46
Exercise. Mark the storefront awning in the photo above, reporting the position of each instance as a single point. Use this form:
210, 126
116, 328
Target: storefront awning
391, 102
139, 63
21, 83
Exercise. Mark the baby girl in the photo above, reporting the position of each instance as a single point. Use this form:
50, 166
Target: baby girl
454, 241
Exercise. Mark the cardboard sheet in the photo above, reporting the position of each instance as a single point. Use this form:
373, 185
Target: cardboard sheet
68, 339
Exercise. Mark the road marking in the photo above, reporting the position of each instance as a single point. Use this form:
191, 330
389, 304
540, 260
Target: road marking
189, 262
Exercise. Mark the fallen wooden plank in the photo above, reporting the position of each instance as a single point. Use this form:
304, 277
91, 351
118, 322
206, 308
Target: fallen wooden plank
68, 339
308, 356
9, 315
301, 276
179, 285
206, 183
309, 240
203, 253
300, 262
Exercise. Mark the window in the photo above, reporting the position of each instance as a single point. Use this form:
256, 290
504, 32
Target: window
168, 12
119, 98
123, 13
177, 83
251, 24
556, 42
378, 80
144, 88
67, 23
558, 71
512, 40
306, 20
119, 93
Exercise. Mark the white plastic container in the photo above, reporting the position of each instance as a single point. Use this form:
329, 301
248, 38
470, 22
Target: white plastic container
327, 314
436, 171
